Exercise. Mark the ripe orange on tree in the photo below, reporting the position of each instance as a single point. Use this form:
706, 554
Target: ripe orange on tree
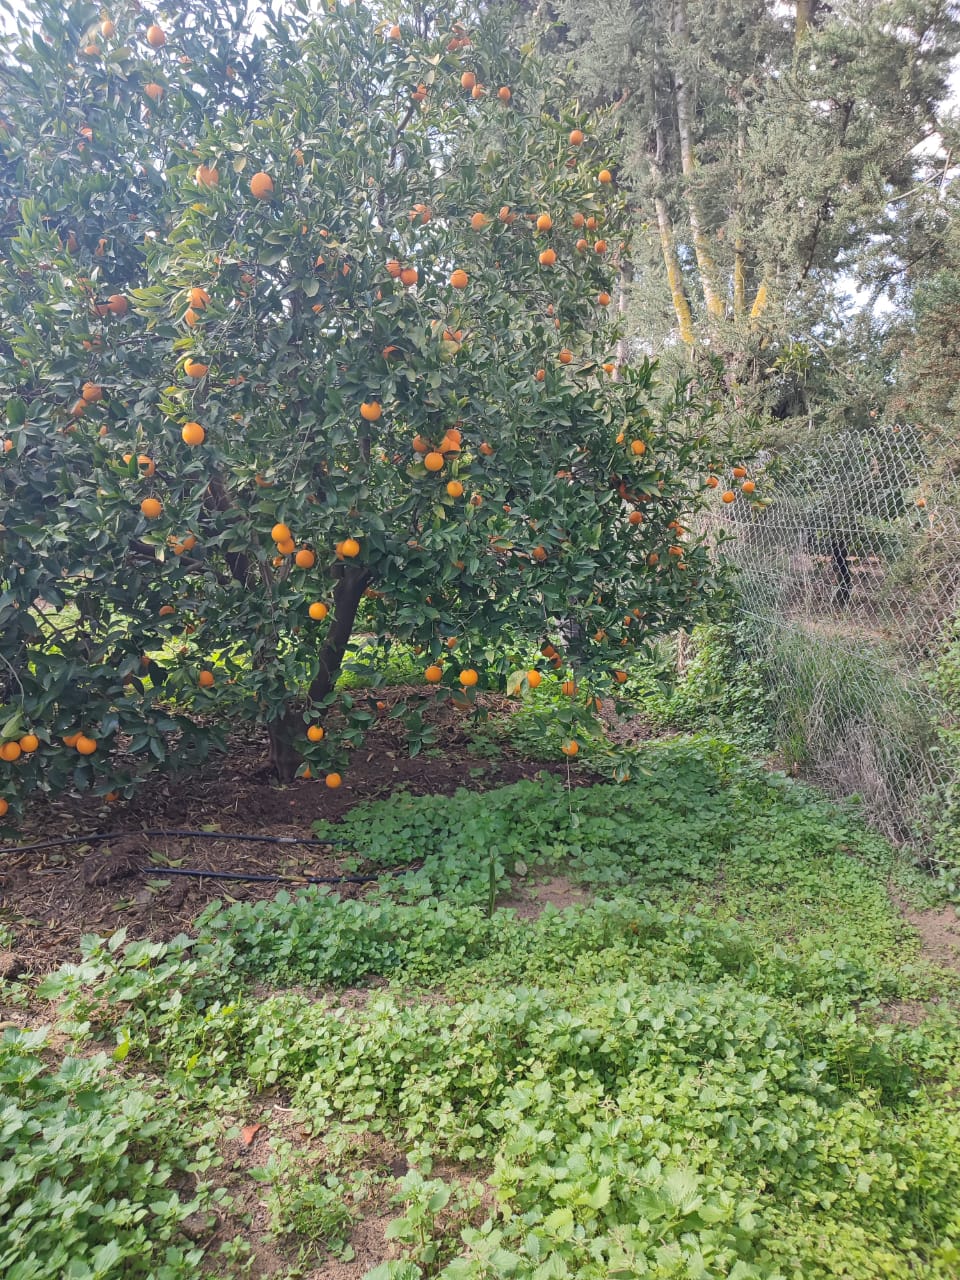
468, 678
206, 680
193, 433
433, 461
156, 37
315, 733
285, 407
433, 674
261, 185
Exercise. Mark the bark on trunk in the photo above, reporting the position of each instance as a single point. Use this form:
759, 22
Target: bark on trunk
285, 731
681, 307
739, 245
346, 601
688, 165
626, 276
284, 760
806, 10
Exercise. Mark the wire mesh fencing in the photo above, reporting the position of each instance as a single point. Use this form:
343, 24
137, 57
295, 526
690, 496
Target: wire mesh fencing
849, 582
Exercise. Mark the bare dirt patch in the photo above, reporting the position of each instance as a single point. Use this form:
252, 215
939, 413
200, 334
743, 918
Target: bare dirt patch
939, 932
529, 899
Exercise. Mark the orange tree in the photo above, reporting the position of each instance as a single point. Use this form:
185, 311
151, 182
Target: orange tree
297, 326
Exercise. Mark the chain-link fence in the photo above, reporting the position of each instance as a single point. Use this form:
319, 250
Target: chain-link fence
849, 584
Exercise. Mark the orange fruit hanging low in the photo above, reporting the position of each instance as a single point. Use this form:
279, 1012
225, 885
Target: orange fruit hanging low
318, 611
315, 733
433, 674
193, 433
261, 185
205, 680
468, 678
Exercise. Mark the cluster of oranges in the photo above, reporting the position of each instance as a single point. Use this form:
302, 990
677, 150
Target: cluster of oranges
436, 457
738, 472
304, 558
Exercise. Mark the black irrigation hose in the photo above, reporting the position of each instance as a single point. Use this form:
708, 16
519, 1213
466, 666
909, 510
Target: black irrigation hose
99, 836
241, 836
238, 875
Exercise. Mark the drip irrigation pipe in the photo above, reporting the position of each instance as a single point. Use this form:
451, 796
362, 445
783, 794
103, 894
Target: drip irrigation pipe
241, 836
162, 872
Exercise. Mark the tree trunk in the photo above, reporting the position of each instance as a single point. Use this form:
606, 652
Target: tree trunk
681, 307
688, 165
806, 11
285, 731
284, 760
739, 246
346, 601
626, 276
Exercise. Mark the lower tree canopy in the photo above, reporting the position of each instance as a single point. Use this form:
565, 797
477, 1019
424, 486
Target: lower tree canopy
303, 332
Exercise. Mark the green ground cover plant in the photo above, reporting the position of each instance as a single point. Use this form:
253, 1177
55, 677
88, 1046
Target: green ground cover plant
697, 1073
